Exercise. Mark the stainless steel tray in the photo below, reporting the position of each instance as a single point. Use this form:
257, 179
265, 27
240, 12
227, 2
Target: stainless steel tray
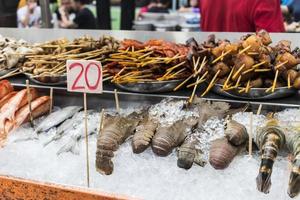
255, 93
48, 80
150, 87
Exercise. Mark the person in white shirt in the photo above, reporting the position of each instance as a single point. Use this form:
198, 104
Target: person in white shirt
29, 15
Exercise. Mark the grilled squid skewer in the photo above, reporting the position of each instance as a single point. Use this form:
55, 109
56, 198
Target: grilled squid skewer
293, 144
270, 140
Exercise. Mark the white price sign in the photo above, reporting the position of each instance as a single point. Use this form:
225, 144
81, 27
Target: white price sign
84, 76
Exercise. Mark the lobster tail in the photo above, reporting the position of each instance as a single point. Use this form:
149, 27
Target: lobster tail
114, 133
188, 154
270, 140
169, 137
144, 133
236, 133
293, 143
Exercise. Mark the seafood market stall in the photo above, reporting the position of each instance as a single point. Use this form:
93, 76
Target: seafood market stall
169, 144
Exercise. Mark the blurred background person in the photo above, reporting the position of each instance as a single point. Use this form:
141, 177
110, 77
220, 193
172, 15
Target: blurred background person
241, 16
192, 6
292, 7
29, 15
66, 11
84, 18
156, 6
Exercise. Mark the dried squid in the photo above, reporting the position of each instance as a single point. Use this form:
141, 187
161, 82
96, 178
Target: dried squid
116, 130
293, 144
270, 139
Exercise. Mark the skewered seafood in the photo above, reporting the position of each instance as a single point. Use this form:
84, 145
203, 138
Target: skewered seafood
222, 152
169, 137
245, 64
293, 144
236, 133
52, 60
270, 139
116, 130
154, 60
143, 135
188, 154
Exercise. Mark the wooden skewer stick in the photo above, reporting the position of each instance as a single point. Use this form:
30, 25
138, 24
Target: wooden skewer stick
258, 64
228, 78
101, 121
181, 84
262, 70
51, 100
238, 71
289, 80
203, 63
251, 134
117, 100
174, 67
281, 64
10, 74
247, 71
211, 84
245, 49
238, 82
275, 81
259, 109
86, 140
196, 64
220, 57
247, 87
193, 93
200, 81
29, 103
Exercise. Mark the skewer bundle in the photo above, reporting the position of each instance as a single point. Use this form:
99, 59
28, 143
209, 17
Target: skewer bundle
52, 60
249, 63
154, 60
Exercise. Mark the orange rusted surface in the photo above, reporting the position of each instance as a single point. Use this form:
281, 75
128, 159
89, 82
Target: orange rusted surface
15, 188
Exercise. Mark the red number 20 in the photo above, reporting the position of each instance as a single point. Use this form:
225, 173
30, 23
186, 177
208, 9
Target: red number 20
75, 85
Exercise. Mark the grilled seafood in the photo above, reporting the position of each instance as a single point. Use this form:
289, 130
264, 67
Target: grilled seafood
293, 144
222, 153
236, 133
143, 135
116, 130
270, 139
